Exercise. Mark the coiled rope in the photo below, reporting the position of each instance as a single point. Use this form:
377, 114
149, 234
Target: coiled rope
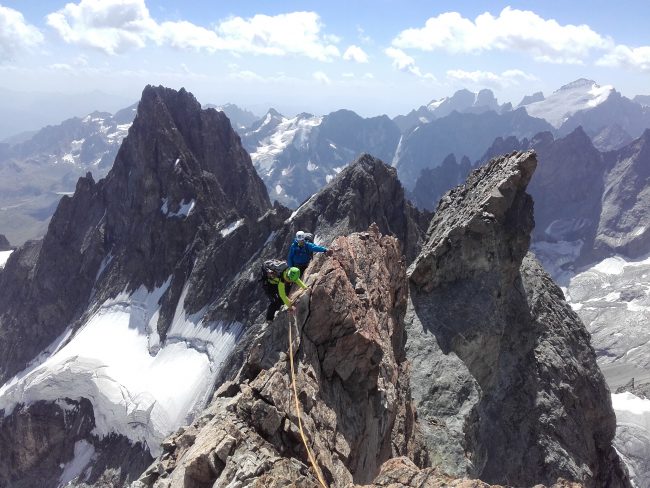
310, 454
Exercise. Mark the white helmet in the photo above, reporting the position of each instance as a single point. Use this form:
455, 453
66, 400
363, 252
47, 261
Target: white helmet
300, 236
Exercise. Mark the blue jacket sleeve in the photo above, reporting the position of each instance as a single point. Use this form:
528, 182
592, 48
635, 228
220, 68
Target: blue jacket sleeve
314, 248
290, 256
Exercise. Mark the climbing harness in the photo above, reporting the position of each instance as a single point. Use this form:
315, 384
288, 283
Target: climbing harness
312, 459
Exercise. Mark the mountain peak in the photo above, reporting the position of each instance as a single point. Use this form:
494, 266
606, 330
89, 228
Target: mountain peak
579, 83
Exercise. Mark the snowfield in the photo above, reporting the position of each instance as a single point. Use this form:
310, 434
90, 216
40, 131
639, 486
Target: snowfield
294, 131
571, 98
4, 256
139, 388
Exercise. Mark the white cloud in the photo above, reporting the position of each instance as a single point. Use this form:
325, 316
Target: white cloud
356, 54
15, 34
623, 56
406, 63
322, 78
370, 76
511, 30
296, 33
112, 26
115, 26
487, 78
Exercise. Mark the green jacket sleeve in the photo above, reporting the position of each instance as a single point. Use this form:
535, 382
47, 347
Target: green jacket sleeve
301, 284
283, 294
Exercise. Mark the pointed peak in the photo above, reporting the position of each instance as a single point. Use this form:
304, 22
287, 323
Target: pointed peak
274, 113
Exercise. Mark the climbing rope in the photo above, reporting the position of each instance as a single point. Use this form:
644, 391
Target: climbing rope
312, 459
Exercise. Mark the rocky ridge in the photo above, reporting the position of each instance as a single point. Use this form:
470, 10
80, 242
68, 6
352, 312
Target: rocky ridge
474, 376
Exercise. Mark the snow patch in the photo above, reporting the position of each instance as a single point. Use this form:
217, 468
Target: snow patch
630, 409
183, 211
231, 228
333, 146
84, 453
311, 166
611, 266
4, 256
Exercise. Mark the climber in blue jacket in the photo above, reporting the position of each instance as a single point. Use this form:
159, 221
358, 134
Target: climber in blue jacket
301, 251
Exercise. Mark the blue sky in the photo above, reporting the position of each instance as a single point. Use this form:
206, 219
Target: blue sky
380, 56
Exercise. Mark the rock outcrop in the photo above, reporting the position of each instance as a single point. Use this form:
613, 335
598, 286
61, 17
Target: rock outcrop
350, 372
504, 380
4, 243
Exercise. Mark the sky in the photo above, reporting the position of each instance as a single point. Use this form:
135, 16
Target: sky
374, 57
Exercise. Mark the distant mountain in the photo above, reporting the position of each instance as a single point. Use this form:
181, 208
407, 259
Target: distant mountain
571, 98
463, 101
528, 99
239, 118
609, 118
29, 111
297, 156
615, 110
465, 134
642, 100
36, 172
434, 182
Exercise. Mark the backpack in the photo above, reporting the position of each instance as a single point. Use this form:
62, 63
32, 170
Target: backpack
309, 237
271, 268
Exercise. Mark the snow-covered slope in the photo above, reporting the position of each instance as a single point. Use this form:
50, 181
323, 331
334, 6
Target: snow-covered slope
613, 299
633, 435
137, 388
579, 95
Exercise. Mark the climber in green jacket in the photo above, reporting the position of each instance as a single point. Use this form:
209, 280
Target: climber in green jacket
288, 277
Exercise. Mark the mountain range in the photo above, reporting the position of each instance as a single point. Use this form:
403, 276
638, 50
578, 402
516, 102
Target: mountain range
296, 156
429, 349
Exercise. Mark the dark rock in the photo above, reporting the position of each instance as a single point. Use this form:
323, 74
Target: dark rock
36, 440
504, 379
4, 244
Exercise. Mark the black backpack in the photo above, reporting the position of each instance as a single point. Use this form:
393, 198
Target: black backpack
271, 268
309, 237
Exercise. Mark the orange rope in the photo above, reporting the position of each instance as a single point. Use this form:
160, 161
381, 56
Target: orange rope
297, 404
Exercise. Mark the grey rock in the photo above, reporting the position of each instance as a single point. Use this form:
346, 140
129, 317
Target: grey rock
511, 346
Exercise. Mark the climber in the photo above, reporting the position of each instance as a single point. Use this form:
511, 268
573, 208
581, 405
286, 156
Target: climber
277, 283
301, 250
